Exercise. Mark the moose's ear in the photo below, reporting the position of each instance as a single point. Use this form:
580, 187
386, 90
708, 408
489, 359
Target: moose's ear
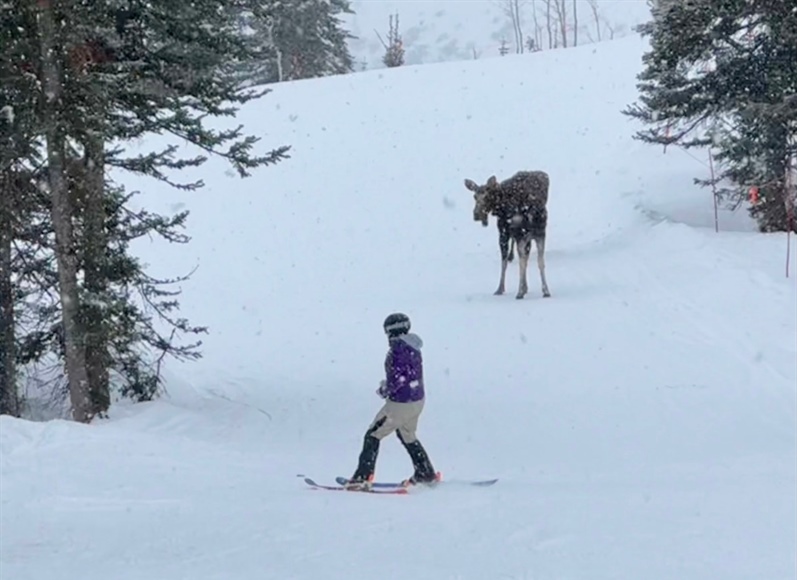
492, 182
471, 185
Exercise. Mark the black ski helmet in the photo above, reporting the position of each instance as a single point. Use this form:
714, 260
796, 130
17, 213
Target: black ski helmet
396, 324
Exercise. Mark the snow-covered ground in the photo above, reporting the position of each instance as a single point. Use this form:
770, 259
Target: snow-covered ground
450, 30
641, 420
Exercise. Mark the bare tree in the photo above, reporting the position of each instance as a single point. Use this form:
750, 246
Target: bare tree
512, 9
549, 23
537, 27
611, 28
560, 6
518, 24
593, 6
575, 22
278, 56
601, 23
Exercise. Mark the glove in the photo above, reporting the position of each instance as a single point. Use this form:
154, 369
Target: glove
382, 390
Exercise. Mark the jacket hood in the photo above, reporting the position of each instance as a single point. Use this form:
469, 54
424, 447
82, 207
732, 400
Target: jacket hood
412, 339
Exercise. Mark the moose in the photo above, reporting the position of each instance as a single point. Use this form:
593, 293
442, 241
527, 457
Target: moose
520, 205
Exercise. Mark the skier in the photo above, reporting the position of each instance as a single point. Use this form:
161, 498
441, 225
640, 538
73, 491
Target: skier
403, 391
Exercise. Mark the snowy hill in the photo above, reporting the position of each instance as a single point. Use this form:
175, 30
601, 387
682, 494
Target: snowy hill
641, 420
452, 30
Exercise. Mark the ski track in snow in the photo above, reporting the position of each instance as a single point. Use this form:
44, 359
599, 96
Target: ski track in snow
641, 420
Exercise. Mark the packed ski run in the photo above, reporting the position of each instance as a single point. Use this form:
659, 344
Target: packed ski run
638, 423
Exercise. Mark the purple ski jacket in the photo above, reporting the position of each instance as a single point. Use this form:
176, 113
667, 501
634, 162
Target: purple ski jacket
404, 369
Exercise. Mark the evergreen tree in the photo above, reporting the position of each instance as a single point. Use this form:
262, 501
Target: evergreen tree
724, 73
37, 324
175, 61
294, 40
394, 47
14, 104
110, 71
134, 306
28, 280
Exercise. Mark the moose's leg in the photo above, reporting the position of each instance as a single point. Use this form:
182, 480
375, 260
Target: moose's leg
503, 243
541, 265
511, 255
502, 281
523, 251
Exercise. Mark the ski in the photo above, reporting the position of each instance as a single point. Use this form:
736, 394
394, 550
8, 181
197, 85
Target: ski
398, 490
400, 485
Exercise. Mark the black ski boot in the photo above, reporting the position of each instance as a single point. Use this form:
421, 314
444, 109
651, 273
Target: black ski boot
424, 471
364, 476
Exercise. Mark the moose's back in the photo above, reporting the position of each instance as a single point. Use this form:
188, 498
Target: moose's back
527, 189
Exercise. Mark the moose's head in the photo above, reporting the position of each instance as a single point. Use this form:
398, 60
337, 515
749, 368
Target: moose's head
481, 195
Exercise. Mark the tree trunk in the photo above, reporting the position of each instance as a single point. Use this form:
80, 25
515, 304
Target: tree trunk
561, 13
277, 51
537, 29
94, 244
514, 6
9, 398
593, 5
61, 213
575, 23
548, 24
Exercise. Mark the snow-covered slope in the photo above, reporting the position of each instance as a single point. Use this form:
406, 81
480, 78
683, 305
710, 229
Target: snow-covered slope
453, 30
641, 420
